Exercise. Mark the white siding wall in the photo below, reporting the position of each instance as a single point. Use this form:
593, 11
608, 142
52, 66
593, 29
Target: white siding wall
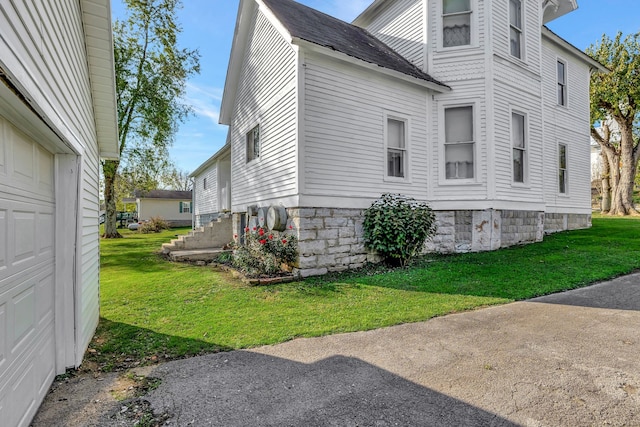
517, 87
266, 96
206, 199
567, 125
344, 152
402, 27
166, 209
43, 47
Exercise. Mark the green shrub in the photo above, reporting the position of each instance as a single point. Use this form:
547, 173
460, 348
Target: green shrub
154, 225
397, 227
264, 252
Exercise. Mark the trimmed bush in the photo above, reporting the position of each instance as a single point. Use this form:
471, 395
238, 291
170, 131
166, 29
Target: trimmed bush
397, 227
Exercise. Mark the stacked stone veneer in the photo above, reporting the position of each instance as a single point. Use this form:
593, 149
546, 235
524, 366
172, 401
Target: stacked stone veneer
331, 240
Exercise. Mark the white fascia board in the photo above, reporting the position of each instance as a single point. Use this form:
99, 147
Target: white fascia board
369, 66
370, 12
238, 48
96, 21
571, 49
226, 149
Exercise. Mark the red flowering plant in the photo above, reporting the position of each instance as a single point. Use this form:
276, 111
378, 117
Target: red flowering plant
264, 252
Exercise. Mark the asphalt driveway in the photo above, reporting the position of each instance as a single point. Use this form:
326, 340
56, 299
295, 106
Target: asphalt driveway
570, 359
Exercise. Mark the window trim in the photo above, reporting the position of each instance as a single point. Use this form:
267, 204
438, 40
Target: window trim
249, 159
520, 31
204, 183
525, 150
188, 208
566, 169
443, 146
407, 147
473, 36
565, 91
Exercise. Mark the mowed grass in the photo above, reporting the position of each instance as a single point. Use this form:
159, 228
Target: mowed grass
152, 309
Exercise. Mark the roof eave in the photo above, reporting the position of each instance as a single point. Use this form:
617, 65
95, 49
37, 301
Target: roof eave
96, 20
211, 160
562, 43
305, 44
240, 38
370, 12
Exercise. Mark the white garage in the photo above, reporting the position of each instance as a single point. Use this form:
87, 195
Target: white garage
57, 119
27, 268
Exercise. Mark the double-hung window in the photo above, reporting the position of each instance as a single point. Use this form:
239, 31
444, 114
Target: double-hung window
185, 207
515, 28
253, 144
459, 142
456, 23
518, 126
396, 148
562, 83
562, 169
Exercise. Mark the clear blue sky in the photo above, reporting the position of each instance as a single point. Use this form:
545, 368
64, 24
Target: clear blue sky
208, 25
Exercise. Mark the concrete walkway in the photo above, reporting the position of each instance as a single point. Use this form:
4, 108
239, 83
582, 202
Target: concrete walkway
570, 359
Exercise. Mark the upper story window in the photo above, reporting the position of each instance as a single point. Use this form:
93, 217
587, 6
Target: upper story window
459, 142
562, 83
396, 148
515, 24
518, 123
456, 23
253, 144
562, 168
204, 183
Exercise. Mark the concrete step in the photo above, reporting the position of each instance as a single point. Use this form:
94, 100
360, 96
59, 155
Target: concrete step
206, 255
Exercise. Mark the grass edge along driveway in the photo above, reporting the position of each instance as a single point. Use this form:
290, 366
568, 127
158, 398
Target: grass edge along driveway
153, 310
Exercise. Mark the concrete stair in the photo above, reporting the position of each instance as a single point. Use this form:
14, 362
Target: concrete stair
201, 244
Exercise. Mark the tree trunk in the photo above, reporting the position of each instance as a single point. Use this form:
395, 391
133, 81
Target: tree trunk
622, 203
109, 169
605, 206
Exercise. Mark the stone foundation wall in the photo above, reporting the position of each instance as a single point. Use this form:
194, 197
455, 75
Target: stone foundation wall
521, 227
330, 240
555, 222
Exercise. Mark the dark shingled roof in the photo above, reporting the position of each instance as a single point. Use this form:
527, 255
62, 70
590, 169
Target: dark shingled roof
319, 28
163, 194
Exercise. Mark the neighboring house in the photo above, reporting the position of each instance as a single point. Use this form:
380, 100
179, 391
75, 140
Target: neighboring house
473, 106
57, 118
212, 187
172, 206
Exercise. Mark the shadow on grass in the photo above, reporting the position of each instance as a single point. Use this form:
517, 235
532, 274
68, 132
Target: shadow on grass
118, 346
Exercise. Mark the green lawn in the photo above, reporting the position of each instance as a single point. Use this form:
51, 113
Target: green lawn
154, 310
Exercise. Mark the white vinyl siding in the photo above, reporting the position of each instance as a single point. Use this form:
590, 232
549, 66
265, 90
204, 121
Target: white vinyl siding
344, 139
206, 201
569, 126
401, 26
47, 39
513, 38
266, 95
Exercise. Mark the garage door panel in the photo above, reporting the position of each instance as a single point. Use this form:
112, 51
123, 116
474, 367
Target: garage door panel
24, 317
3, 242
4, 349
23, 158
27, 275
45, 238
22, 235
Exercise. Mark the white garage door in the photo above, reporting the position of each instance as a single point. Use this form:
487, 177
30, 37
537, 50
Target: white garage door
27, 343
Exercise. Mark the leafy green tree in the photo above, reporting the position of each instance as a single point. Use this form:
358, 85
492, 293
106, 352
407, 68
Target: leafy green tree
151, 73
615, 106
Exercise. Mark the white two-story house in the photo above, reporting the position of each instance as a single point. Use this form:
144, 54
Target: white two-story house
471, 105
